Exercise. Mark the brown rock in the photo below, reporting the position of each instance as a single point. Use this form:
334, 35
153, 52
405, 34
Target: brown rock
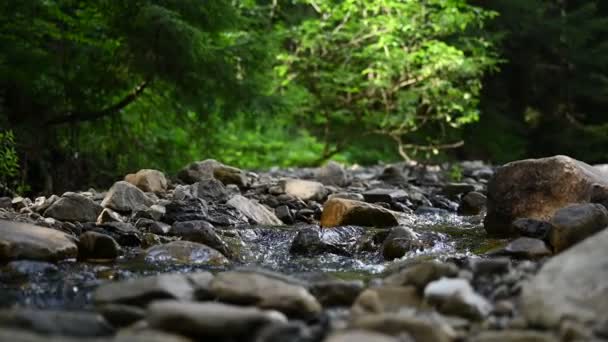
536, 188
341, 212
148, 180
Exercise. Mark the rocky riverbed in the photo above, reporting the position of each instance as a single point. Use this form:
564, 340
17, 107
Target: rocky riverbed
404, 252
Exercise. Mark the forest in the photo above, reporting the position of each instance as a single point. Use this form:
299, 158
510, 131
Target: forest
93, 90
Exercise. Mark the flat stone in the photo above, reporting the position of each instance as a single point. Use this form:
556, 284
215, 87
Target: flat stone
254, 211
527, 248
303, 189
210, 320
73, 207
422, 273
201, 232
54, 322
532, 228
342, 212
420, 327
537, 188
514, 336
93, 245
148, 180
575, 223
384, 195
456, 297
359, 336
185, 252
126, 197
455, 189
27, 241
570, 285
248, 288
142, 291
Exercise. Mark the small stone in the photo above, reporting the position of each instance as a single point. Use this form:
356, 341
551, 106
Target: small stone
386, 299
336, 292
341, 212
6, 202
190, 209
93, 245
210, 190
575, 223
109, 215
303, 189
27, 241
422, 273
284, 214
213, 321
120, 315
53, 322
30, 268
455, 189
231, 175
472, 203
185, 252
315, 241
254, 211
514, 336
74, 207
457, 297
201, 232
142, 291
384, 195
148, 180
248, 288
393, 175
332, 174
421, 327
126, 197
490, 266
527, 248
400, 241
360, 336
347, 195
532, 228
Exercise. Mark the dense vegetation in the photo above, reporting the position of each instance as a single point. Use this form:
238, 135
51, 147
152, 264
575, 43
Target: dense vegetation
91, 90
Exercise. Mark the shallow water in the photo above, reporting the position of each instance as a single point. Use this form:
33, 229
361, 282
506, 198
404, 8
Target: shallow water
70, 283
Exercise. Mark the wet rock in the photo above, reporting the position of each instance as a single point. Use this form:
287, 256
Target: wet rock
421, 273
29, 268
514, 336
284, 214
254, 211
190, 209
332, 174
455, 189
148, 335
575, 223
142, 291
570, 285
359, 336
109, 215
420, 327
393, 175
210, 190
201, 232
93, 245
248, 288
124, 233
287, 332
27, 241
303, 189
210, 320
472, 203
148, 180
336, 292
386, 299
315, 241
527, 248
456, 297
224, 215
74, 207
384, 195
536, 188
52, 322
185, 252
532, 228
341, 212
119, 315
425, 210
125, 197
398, 242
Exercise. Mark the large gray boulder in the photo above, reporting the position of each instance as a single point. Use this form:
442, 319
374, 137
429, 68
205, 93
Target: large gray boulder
73, 207
126, 197
573, 284
27, 241
537, 188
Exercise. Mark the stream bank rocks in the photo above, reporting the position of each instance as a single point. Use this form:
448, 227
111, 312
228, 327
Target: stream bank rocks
379, 253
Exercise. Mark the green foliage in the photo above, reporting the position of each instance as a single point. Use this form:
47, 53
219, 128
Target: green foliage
389, 67
9, 162
455, 173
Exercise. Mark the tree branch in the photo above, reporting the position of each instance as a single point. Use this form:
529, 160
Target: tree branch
111, 110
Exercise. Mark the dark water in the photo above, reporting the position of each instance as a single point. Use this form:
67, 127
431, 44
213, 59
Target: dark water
68, 284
